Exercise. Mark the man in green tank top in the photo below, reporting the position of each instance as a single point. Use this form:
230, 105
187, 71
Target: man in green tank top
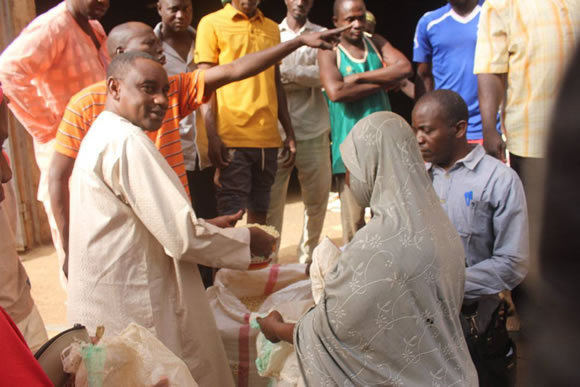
356, 77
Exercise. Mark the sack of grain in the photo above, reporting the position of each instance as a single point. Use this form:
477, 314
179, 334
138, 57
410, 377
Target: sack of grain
236, 294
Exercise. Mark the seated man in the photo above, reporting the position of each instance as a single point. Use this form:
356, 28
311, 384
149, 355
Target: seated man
85, 106
134, 238
483, 197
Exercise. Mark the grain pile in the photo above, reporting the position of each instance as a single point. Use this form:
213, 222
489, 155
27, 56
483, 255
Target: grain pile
253, 303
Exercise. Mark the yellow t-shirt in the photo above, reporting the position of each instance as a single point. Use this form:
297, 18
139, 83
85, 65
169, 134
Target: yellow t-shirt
247, 113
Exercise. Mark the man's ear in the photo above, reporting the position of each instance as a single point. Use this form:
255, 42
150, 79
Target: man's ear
114, 88
159, 8
335, 20
461, 129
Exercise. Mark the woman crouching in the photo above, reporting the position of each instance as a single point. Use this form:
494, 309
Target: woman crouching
389, 315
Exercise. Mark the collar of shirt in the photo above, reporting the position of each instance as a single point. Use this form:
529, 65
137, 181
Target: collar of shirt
234, 13
470, 161
308, 26
173, 56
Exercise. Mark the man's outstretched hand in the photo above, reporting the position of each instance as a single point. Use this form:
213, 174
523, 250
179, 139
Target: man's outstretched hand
261, 243
325, 39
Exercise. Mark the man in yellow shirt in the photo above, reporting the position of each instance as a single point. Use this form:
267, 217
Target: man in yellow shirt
242, 119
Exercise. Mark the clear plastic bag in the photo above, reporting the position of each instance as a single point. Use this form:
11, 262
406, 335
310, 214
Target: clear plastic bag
135, 358
324, 259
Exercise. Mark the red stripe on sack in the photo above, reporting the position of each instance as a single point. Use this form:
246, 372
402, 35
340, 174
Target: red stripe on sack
244, 353
272, 279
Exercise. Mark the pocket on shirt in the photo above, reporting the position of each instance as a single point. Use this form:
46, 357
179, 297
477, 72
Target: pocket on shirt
481, 221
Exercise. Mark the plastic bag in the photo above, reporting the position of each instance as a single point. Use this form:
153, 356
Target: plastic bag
261, 290
324, 259
135, 358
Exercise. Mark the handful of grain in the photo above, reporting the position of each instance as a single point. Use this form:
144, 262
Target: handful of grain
258, 262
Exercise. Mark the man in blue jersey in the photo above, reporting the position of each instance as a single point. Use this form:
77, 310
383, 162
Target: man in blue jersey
355, 77
444, 49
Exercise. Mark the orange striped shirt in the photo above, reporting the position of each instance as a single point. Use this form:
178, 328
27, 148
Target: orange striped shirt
185, 95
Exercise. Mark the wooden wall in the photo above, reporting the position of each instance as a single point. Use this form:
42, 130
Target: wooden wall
33, 227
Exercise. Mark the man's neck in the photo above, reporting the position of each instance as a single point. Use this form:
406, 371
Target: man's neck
169, 35
467, 8
242, 11
353, 48
80, 19
461, 151
295, 24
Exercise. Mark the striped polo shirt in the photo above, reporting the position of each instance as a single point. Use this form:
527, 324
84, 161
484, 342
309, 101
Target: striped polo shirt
185, 95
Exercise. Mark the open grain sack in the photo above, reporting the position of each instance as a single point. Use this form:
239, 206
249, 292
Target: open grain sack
238, 296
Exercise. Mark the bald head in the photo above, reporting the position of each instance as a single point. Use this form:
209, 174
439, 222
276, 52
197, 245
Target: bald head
134, 36
121, 35
339, 4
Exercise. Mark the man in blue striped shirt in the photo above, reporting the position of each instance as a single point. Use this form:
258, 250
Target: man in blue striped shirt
483, 197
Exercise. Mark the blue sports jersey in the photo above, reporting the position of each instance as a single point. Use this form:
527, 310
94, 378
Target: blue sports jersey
447, 41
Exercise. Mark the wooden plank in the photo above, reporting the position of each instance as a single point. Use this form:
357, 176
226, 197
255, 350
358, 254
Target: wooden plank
14, 16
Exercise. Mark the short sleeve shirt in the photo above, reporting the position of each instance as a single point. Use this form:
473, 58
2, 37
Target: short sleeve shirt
447, 40
247, 110
185, 95
531, 42
50, 61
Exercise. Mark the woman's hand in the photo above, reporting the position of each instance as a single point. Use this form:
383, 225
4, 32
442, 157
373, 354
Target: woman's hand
269, 326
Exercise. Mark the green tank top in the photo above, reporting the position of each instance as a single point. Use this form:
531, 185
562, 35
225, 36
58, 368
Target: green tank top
344, 115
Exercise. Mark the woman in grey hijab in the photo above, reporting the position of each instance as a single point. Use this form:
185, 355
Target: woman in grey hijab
389, 315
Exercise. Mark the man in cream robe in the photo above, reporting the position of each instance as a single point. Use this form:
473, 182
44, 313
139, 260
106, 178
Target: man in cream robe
135, 241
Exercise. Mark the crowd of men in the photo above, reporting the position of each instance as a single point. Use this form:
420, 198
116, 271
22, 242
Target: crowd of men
152, 143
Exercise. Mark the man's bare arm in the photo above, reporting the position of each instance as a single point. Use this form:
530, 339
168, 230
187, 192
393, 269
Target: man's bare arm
424, 81
217, 151
61, 168
254, 63
397, 66
491, 89
337, 89
284, 118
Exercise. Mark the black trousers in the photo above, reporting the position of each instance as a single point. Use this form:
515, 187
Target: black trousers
531, 172
203, 200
